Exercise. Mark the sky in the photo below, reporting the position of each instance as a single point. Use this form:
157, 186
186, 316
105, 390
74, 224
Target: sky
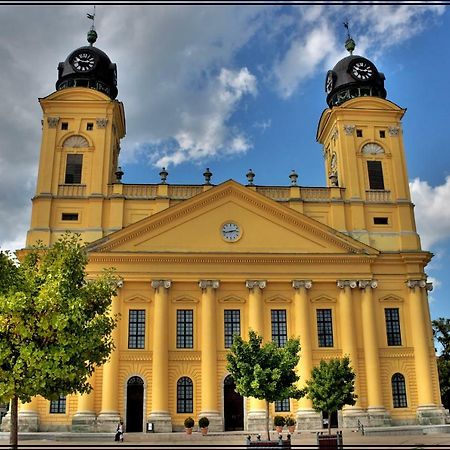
231, 88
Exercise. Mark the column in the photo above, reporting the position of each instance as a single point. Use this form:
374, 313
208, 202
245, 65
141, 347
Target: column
428, 413
109, 415
84, 419
350, 414
209, 390
307, 418
28, 417
160, 414
378, 416
257, 408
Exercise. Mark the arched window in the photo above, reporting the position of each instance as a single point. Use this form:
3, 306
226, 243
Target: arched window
185, 395
398, 391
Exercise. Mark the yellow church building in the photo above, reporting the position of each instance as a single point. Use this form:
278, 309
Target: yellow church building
340, 266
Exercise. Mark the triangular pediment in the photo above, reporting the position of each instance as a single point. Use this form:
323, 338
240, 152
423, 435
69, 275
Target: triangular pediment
196, 226
323, 298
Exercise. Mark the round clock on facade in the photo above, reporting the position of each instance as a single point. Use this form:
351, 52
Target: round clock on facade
83, 61
362, 70
329, 82
231, 231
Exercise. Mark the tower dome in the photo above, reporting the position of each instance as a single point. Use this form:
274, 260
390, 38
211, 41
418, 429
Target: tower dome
353, 76
89, 67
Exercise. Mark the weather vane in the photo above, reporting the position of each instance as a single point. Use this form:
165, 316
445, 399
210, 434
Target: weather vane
92, 17
349, 43
92, 34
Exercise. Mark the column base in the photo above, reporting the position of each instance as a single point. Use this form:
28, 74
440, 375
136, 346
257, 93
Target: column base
351, 416
308, 419
431, 415
28, 421
257, 421
378, 417
107, 421
162, 422
6, 422
84, 422
215, 420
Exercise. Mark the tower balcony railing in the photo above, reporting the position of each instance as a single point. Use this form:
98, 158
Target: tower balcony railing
72, 190
378, 196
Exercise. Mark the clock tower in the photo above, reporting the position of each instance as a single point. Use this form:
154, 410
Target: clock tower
81, 131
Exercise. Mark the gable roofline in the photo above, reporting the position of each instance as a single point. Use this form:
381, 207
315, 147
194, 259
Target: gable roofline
216, 193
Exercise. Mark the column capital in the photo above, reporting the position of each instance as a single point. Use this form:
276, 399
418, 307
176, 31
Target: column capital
352, 284
156, 284
204, 284
120, 283
297, 284
363, 284
250, 284
416, 283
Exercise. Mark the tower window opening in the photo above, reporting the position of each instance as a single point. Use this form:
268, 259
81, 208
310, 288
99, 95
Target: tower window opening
359, 133
69, 216
375, 170
380, 221
64, 126
382, 134
89, 126
74, 166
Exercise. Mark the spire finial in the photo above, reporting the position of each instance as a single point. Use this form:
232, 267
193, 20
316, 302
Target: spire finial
349, 42
92, 34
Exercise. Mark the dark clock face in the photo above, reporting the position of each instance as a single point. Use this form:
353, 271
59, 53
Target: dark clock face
83, 62
329, 82
362, 70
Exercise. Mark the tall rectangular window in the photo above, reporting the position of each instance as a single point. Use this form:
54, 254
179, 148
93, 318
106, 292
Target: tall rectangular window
279, 327
393, 326
73, 169
324, 328
136, 328
282, 405
185, 328
375, 171
232, 325
58, 406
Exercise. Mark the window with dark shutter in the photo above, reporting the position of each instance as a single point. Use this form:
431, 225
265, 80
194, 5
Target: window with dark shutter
375, 170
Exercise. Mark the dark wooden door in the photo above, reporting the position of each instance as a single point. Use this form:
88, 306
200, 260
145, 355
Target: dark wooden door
233, 406
135, 404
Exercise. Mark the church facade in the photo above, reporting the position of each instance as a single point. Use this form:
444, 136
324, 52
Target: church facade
339, 266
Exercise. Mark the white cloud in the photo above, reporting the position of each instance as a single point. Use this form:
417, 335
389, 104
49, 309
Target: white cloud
432, 211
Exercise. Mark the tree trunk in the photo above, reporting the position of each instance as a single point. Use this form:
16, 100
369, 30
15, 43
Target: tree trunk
267, 421
329, 422
13, 433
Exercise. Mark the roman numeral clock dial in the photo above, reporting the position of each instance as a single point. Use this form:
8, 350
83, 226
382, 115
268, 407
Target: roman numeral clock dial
83, 62
230, 231
362, 70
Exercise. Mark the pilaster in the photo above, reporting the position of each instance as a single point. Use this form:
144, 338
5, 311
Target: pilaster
160, 414
257, 414
109, 415
209, 355
307, 417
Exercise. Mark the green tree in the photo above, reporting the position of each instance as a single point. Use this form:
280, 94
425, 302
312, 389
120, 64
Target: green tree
331, 386
55, 326
265, 372
441, 333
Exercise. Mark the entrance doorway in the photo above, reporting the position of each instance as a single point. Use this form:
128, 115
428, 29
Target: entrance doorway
233, 406
334, 419
135, 404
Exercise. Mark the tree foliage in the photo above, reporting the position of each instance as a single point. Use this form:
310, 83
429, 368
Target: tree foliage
55, 326
264, 371
331, 386
441, 333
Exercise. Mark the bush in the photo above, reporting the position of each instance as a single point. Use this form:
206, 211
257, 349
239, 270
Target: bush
188, 422
203, 422
290, 421
279, 421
